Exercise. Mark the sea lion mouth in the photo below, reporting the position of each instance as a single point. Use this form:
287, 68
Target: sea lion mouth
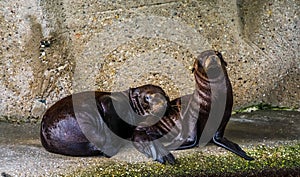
213, 72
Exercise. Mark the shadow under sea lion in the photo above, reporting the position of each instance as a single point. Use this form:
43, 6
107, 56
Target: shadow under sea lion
95, 123
192, 119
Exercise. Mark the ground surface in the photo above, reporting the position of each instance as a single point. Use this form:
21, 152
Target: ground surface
21, 153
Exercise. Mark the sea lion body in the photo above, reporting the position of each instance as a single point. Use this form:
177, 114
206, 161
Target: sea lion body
60, 132
214, 95
95, 123
196, 118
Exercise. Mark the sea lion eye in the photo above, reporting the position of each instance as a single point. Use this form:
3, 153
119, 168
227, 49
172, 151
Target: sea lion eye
147, 98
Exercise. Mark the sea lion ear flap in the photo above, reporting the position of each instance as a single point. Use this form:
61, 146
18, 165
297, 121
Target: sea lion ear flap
221, 58
134, 92
193, 69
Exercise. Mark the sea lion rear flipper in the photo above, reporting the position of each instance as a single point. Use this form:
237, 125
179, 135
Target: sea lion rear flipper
231, 146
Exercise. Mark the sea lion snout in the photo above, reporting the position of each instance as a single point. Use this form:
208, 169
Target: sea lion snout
204, 60
209, 57
158, 104
149, 100
210, 63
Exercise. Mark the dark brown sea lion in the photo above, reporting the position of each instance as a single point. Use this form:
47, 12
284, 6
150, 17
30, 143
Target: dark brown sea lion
95, 123
215, 98
192, 119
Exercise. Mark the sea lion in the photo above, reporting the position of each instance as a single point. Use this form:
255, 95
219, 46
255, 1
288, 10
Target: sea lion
192, 119
94, 123
215, 94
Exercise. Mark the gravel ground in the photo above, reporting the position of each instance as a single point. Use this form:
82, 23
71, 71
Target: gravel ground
21, 153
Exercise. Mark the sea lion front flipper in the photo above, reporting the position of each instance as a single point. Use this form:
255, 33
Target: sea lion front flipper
151, 147
231, 146
158, 152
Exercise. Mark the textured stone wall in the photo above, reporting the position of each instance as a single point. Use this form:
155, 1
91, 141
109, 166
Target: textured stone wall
112, 45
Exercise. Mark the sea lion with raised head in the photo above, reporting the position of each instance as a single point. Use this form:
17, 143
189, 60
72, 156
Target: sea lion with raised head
214, 90
89, 123
192, 119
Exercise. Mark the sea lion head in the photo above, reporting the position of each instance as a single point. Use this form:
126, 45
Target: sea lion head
211, 64
149, 100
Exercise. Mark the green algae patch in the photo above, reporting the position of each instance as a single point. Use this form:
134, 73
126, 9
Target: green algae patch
20, 120
262, 106
281, 160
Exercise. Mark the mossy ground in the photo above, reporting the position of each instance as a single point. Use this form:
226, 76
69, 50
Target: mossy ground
280, 160
262, 106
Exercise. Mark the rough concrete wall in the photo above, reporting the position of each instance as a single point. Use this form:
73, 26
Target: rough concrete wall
112, 45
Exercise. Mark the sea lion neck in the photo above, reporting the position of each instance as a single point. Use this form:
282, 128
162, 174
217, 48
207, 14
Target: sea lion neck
133, 101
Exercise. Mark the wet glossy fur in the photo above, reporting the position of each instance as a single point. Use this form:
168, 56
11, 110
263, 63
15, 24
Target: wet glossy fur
185, 120
153, 123
61, 132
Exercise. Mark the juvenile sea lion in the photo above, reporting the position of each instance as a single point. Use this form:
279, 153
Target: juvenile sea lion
214, 90
192, 119
89, 123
